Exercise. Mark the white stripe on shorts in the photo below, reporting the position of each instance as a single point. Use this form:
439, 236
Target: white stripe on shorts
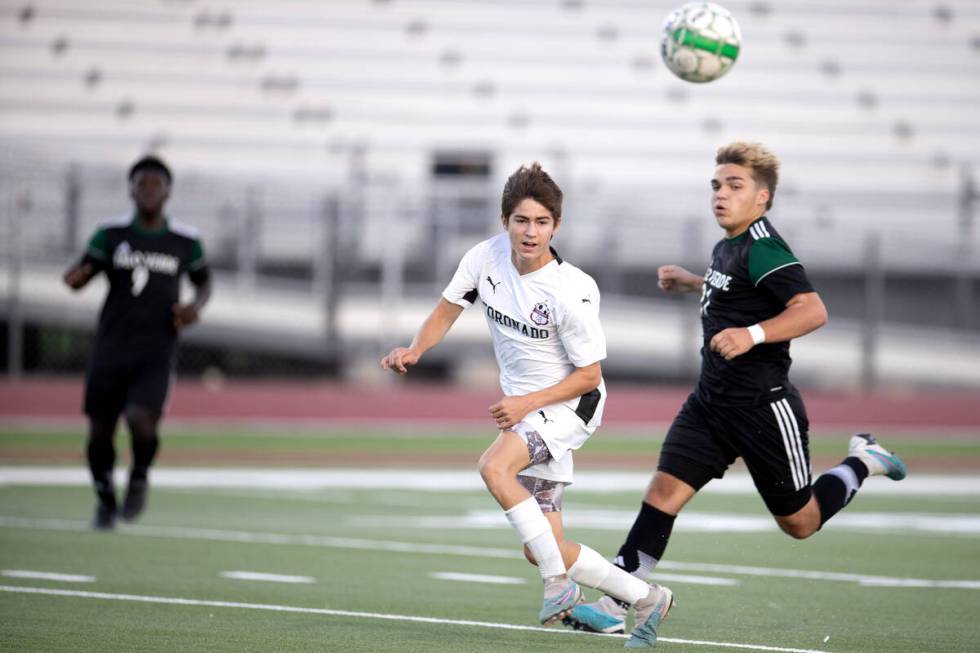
807, 472
796, 468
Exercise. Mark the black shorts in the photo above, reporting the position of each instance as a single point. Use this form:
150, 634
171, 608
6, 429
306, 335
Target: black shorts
114, 382
771, 438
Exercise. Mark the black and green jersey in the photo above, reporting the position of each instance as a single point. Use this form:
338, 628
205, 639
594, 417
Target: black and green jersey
144, 269
751, 278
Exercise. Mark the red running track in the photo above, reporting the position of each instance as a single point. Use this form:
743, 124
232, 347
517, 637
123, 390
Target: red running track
285, 400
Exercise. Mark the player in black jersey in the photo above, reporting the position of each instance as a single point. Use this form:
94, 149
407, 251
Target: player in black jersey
130, 371
755, 298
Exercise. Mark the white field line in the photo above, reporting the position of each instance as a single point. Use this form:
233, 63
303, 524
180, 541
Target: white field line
328, 541
697, 580
862, 579
247, 537
914, 582
478, 578
926, 524
269, 578
442, 480
370, 615
46, 575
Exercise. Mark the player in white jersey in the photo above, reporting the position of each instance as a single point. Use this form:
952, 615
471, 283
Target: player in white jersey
543, 315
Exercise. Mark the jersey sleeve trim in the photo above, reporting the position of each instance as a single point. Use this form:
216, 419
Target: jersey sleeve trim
774, 269
197, 257
98, 246
766, 256
467, 300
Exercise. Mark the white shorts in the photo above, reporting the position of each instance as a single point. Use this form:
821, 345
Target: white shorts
562, 431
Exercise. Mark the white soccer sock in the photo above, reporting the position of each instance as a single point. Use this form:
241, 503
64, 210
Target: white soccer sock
534, 529
592, 570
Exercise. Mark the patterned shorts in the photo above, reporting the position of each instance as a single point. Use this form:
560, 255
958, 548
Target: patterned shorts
547, 493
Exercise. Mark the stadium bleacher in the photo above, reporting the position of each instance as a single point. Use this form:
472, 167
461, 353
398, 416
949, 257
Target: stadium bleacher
268, 111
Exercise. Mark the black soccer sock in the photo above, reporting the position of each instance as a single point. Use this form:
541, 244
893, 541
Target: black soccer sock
101, 454
145, 442
144, 451
646, 542
837, 486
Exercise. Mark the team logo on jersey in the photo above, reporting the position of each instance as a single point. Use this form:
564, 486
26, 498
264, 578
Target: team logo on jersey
509, 322
540, 315
718, 279
126, 258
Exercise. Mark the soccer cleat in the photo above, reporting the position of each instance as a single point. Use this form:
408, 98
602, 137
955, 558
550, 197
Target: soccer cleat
878, 460
561, 594
105, 517
650, 612
105, 509
603, 616
135, 498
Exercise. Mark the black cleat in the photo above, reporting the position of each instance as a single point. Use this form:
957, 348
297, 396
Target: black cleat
105, 517
135, 498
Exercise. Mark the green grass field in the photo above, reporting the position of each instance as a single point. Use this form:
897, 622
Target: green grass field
372, 556
215, 446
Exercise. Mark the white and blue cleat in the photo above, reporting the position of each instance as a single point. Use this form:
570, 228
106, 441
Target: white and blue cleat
603, 616
561, 594
650, 613
878, 460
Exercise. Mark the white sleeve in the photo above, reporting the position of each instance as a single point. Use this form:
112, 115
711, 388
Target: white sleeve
580, 330
464, 287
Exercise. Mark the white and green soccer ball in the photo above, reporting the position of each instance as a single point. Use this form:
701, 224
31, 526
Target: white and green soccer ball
700, 41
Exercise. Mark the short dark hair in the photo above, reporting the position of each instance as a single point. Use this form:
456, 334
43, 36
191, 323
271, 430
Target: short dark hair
150, 162
532, 183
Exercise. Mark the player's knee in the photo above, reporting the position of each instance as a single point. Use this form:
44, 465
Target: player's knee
667, 493
142, 423
494, 470
797, 529
101, 431
490, 470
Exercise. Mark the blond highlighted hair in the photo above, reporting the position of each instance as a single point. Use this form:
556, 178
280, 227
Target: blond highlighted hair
763, 163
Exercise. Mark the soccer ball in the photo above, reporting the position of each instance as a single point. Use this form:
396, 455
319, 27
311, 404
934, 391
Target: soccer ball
700, 41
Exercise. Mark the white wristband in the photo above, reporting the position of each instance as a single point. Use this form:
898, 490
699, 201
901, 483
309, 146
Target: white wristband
758, 335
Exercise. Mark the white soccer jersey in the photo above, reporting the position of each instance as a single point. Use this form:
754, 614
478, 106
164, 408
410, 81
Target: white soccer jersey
544, 324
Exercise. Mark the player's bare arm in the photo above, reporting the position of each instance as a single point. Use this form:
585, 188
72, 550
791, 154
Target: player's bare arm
187, 314
79, 275
431, 333
803, 314
510, 410
675, 279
